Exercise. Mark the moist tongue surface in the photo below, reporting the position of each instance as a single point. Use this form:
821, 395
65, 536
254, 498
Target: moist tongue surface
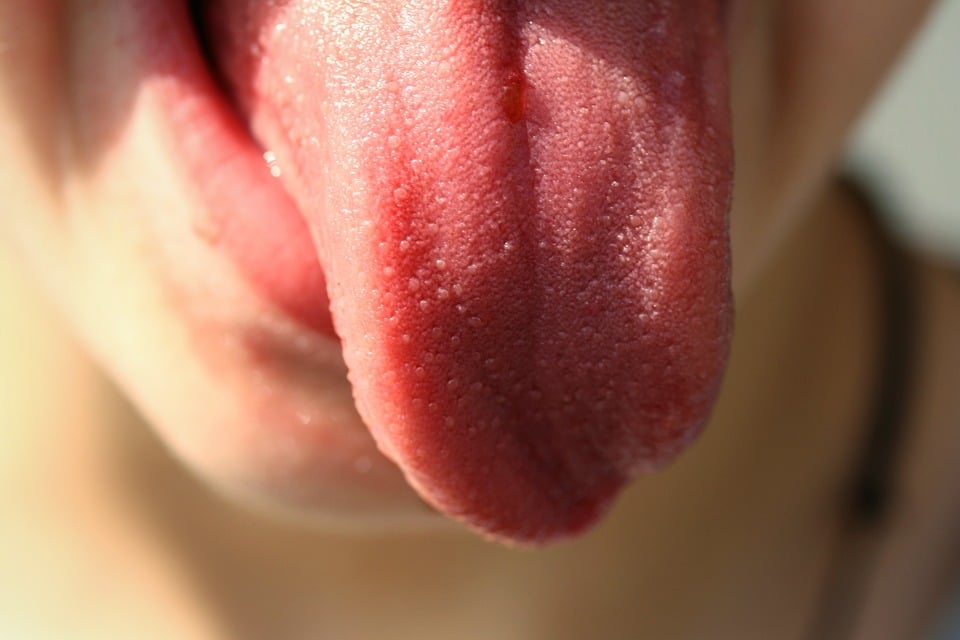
521, 211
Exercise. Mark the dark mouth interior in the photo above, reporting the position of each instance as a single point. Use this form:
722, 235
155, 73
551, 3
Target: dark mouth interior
200, 11
198, 18
212, 39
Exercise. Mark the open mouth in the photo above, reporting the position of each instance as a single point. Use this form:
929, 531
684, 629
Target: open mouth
518, 210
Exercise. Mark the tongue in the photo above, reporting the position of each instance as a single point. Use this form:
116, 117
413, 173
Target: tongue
521, 211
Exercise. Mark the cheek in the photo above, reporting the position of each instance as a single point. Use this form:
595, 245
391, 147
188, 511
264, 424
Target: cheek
803, 72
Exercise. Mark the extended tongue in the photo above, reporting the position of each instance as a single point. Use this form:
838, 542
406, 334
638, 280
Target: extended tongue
521, 211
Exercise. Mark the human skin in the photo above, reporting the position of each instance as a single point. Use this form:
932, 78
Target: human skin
253, 401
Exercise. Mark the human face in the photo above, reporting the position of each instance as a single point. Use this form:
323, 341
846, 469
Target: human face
137, 195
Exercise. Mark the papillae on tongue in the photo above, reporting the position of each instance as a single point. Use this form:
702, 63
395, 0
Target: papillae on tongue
521, 210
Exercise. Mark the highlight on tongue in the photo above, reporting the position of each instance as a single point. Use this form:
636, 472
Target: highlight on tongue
521, 212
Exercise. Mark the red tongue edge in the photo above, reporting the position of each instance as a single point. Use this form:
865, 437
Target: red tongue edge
521, 210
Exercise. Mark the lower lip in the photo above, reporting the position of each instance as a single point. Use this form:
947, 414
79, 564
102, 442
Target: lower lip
245, 211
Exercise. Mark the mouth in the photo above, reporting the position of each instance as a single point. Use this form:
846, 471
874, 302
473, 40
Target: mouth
513, 216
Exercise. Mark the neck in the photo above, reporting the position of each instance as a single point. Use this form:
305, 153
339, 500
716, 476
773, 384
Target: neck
807, 340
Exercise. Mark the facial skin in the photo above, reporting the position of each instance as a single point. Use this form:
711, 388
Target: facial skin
247, 395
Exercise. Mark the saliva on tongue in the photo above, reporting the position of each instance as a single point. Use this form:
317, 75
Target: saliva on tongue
521, 209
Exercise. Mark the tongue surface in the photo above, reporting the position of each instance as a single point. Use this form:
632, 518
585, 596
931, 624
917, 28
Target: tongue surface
521, 211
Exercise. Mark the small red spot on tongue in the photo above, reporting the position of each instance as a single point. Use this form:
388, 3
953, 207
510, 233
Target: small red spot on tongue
514, 96
520, 208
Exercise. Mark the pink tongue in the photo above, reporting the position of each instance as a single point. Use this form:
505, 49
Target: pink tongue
521, 211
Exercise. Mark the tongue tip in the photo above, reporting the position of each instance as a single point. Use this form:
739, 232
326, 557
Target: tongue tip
541, 522
521, 496
524, 482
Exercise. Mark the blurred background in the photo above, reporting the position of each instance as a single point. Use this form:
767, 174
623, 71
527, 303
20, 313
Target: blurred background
910, 142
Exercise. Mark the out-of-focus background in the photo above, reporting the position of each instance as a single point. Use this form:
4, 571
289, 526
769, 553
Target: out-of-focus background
910, 142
